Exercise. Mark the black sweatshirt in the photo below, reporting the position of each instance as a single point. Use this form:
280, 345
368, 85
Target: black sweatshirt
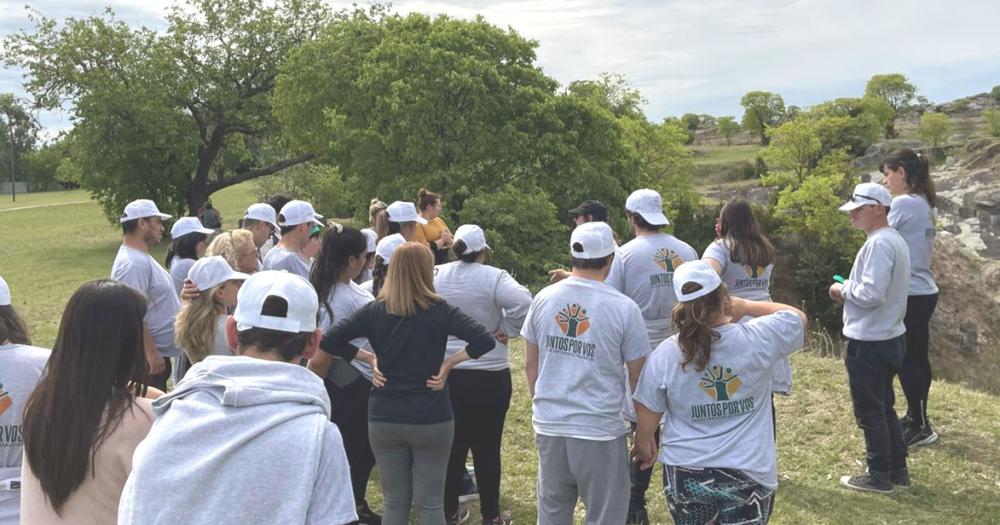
410, 351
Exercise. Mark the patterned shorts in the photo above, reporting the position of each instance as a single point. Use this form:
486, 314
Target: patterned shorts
716, 496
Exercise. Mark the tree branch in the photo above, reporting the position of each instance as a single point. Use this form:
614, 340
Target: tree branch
244, 176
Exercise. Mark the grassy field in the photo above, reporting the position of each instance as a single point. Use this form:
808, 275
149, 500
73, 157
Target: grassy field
46, 252
709, 155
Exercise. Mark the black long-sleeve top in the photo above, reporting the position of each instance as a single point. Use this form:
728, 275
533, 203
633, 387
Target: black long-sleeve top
410, 351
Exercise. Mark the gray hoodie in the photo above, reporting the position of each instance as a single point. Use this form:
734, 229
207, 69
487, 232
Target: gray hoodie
241, 440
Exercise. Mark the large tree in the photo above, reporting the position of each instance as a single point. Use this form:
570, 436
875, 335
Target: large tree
761, 111
173, 116
18, 134
728, 128
896, 91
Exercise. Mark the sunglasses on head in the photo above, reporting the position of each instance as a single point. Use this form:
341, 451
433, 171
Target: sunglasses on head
858, 198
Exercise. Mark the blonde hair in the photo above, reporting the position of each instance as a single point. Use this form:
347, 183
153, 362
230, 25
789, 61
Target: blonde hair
196, 323
378, 218
409, 286
232, 245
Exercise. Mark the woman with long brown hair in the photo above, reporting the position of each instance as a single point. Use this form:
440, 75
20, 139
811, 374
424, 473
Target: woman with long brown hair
410, 421
713, 379
87, 414
435, 233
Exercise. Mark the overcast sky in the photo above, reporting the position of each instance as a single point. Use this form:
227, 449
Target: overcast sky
699, 56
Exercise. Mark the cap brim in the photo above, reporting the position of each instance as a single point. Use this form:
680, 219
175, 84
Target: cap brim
421, 220
238, 276
851, 205
655, 219
163, 216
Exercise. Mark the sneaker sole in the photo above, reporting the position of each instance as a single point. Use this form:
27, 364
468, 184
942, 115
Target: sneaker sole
925, 441
844, 483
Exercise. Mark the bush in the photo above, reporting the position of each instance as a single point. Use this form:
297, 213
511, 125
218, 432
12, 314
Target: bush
992, 117
319, 184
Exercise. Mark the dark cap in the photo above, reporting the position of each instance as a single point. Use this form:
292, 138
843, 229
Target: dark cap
595, 209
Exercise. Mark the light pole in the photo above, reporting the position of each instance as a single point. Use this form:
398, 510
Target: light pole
13, 190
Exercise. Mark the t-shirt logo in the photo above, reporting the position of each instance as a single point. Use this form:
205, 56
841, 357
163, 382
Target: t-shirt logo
573, 320
5, 401
720, 384
667, 259
754, 272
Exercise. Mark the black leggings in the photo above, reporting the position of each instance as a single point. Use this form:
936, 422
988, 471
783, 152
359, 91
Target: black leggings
350, 413
915, 374
480, 400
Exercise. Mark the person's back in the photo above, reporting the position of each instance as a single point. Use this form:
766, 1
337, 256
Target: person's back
20, 368
280, 258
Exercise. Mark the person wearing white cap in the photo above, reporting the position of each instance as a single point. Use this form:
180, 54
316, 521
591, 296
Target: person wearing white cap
480, 390
578, 335
296, 220
21, 366
188, 245
201, 323
236, 421
383, 253
366, 273
874, 298
142, 224
713, 381
262, 221
403, 219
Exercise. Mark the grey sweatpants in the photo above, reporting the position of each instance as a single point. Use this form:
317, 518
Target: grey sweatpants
595, 471
412, 461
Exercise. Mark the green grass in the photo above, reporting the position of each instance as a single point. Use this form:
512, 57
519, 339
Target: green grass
709, 155
47, 252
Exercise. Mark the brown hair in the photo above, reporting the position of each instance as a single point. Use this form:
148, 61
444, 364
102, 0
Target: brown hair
378, 218
12, 329
916, 166
409, 285
694, 320
458, 247
742, 235
426, 198
642, 224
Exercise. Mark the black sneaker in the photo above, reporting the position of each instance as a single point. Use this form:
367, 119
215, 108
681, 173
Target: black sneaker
459, 517
915, 437
900, 478
469, 490
868, 482
638, 517
367, 516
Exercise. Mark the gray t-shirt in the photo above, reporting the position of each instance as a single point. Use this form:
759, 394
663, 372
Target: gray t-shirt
140, 271
220, 345
179, 269
914, 219
488, 295
344, 299
278, 258
585, 331
20, 368
720, 417
875, 293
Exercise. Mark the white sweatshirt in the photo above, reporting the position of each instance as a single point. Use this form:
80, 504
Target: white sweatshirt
875, 294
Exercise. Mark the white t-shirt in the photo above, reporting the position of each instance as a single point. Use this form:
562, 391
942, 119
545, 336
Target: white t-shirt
20, 368
585, 331
278, 258
875, 293
179, 269
140, 271
914, 219
720, 417
344, 299
490, 296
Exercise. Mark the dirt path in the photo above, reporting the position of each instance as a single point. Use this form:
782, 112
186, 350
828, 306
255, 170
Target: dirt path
44, 206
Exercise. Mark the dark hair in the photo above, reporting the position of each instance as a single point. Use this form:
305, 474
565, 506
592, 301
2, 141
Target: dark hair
337, 249
642, 224
184, 247
741, 233
278, 201
285, 230
426, 198
12, 328
97, 365
693, 322
458, 247
379, 272
917, 169
590, 264
393, 228
287, 344
130, 226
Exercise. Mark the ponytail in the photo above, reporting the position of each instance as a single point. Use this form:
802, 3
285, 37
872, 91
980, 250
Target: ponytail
379, 273
917, 168
694, 321
426, 198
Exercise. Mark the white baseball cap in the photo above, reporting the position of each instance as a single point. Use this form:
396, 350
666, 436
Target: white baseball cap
402, 211
4, 293
696, 271
868, 193
140, 209
299, 295
298, 212
648, 204
387, 245
592, 240
209, 272
262, 212
372, 239
473, 237
186, 225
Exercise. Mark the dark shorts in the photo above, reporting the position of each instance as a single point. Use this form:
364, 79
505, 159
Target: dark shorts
715, 496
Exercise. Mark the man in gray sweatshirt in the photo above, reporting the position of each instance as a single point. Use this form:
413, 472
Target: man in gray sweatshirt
874, 299
247, 438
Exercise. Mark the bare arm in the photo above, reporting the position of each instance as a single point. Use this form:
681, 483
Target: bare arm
644, 448
156, 362
634, 370
531, 366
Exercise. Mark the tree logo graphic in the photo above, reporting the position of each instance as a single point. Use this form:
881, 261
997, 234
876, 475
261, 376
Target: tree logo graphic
720, 384
573, 320
667, 259
5, 401
754, 272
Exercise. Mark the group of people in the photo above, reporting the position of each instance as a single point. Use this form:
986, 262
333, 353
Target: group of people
303, 353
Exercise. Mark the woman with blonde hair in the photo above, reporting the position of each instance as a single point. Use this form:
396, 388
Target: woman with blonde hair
237, 248
410, 421
201, 324
378, 218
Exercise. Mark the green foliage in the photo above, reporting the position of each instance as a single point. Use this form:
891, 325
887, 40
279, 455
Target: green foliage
320, 184
613, 92
850, 123
171, 116
995, 93
992, 117
691, 122
795, 146
896, 91
728, 128
762, 110
935, 128
18, 134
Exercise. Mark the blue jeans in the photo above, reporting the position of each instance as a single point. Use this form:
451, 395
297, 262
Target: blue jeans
871, 367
